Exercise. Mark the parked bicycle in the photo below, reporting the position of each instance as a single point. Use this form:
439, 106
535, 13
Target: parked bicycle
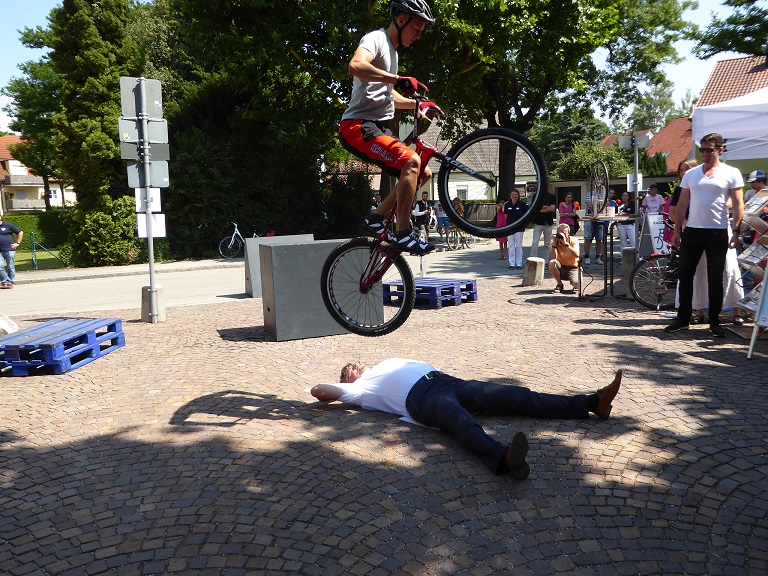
653, 281
456, 239
232, 246
367, 287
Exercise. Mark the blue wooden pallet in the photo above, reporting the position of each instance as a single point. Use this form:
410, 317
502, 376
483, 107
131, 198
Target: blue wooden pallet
437, 292
59, 346
467, 288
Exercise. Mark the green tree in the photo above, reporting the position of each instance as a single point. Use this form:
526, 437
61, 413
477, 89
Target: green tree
555, 135
653, 109
36, 98
578, 164
91, 50
655, 165
744, 31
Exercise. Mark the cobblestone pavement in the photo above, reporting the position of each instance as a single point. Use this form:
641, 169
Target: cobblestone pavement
197, 449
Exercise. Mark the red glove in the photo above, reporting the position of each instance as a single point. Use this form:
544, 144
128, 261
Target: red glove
430, 110
408, 85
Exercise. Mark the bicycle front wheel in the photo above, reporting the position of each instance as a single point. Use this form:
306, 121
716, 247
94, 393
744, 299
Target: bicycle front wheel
452, 239
653, 284
230, 246
485, 166
368, 311
469, 240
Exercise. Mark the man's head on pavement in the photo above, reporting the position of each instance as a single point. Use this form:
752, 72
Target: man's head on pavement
352, 372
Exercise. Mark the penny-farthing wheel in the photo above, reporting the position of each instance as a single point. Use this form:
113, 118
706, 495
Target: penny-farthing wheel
598, 182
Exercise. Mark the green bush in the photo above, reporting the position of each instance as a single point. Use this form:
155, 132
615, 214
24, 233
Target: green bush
103, 238
49, 228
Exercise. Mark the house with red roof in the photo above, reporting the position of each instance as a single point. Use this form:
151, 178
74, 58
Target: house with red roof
20, 189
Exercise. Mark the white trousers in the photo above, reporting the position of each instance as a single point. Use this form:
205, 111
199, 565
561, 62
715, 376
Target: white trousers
626, 235
515, 248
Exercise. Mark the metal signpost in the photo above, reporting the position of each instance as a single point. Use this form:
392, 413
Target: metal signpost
144, 134
636, 141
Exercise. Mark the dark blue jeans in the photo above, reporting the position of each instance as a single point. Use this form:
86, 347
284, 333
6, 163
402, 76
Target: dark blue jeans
694, 243
448, 403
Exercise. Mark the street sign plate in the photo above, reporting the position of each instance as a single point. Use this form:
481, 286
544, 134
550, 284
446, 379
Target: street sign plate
157, 131
141, 204
130, 151
158, 225
158, 174
130, 97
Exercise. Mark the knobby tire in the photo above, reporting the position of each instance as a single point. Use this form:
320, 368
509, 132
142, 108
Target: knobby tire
501, 155
366, 313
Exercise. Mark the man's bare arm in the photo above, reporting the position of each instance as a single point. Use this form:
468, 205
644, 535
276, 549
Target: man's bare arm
326, 392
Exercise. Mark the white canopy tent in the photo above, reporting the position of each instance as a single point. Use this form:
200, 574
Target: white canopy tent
743, 122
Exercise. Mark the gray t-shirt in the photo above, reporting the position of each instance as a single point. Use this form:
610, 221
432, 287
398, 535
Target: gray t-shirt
373, 100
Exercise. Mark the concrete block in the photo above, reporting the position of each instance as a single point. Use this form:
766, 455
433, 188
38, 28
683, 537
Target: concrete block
253, 262
534, 272
146, 303
290, 284
628, 261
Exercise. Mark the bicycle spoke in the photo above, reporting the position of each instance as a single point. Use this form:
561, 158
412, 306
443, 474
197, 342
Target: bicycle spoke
482, 168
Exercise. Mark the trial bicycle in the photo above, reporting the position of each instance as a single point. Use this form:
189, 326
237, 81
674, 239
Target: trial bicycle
367, 286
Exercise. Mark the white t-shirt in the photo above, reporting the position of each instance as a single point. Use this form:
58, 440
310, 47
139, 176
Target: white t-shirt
373, 100
385, 387
653, 204
709, 195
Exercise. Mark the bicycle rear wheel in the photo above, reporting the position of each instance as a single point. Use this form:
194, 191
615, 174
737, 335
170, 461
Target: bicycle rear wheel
469, 240
374, 311
230, 246
452, 239
653, 284
485, 165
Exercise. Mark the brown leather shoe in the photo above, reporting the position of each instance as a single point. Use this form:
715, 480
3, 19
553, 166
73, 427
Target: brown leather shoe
514, 456
606, 395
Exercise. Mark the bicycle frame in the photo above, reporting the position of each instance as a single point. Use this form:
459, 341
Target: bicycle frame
427, 151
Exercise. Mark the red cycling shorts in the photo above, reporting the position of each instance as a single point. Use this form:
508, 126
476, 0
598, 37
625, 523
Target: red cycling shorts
371, 141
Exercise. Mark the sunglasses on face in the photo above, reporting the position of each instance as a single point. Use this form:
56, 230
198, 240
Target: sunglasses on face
708, 150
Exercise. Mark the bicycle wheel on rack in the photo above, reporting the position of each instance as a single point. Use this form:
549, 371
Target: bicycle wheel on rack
653, 284
487, 164
598, 181
452, 239
230, 246
374, 311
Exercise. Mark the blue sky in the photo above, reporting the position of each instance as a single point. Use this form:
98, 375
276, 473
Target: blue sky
692, 73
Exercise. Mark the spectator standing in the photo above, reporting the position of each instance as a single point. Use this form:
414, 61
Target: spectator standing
514, 208
8, 252
564, 258
568, 214
705, 191
627, 227
421, 213
443, 222
593, 230
653, 201
543, 222
756, 183
501, 220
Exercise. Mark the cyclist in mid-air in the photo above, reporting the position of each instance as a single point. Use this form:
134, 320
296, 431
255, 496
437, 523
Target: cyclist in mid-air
373, 102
